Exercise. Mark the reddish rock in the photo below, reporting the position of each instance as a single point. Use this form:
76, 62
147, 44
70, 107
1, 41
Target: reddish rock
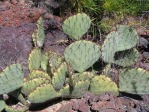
15, 14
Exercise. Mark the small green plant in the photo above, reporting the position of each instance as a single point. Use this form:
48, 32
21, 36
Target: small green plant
88, 6
124, 7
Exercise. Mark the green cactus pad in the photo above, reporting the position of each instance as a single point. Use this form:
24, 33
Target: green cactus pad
82, 76
39, 74
82, 54
59, 77
80, 88
11, 78
44, 61
34, 59
135, 81
43, 94
76, 26
117, 47
101, 84
12, 109
130, 58
31, 85
65, 91
55, 61
2, 105
39, 35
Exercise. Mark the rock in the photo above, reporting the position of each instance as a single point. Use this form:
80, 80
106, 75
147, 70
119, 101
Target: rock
15, 45
143, 42
15, 14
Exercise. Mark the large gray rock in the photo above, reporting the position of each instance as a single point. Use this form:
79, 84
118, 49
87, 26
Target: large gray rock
15, 45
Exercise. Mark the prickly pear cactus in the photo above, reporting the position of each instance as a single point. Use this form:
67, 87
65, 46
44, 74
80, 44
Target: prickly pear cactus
36, 79
44, 61
79, 89
39, 35
55, 61
101, 84
59, 76
39, 74
12, 109
82, 54
31, 85
2, 105
135, 81
82, 76
35, 59
76, 26
119, 46
65, 91
81, 82
11, 78
43, 93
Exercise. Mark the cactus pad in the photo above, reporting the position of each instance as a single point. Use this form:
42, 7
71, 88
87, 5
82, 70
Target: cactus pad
39, 74
101, 84
117, 47
82, 54
2, 105
82, 76
76, 26
11, 78
80, 88
135, 81
43, 94
127, 58
44, 61
39, 35
31, 85
16, 109
65, 91
54, 60
59, 77
34, 59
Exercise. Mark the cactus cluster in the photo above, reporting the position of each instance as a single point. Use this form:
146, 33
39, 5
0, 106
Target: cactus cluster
42, 85
52, 76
